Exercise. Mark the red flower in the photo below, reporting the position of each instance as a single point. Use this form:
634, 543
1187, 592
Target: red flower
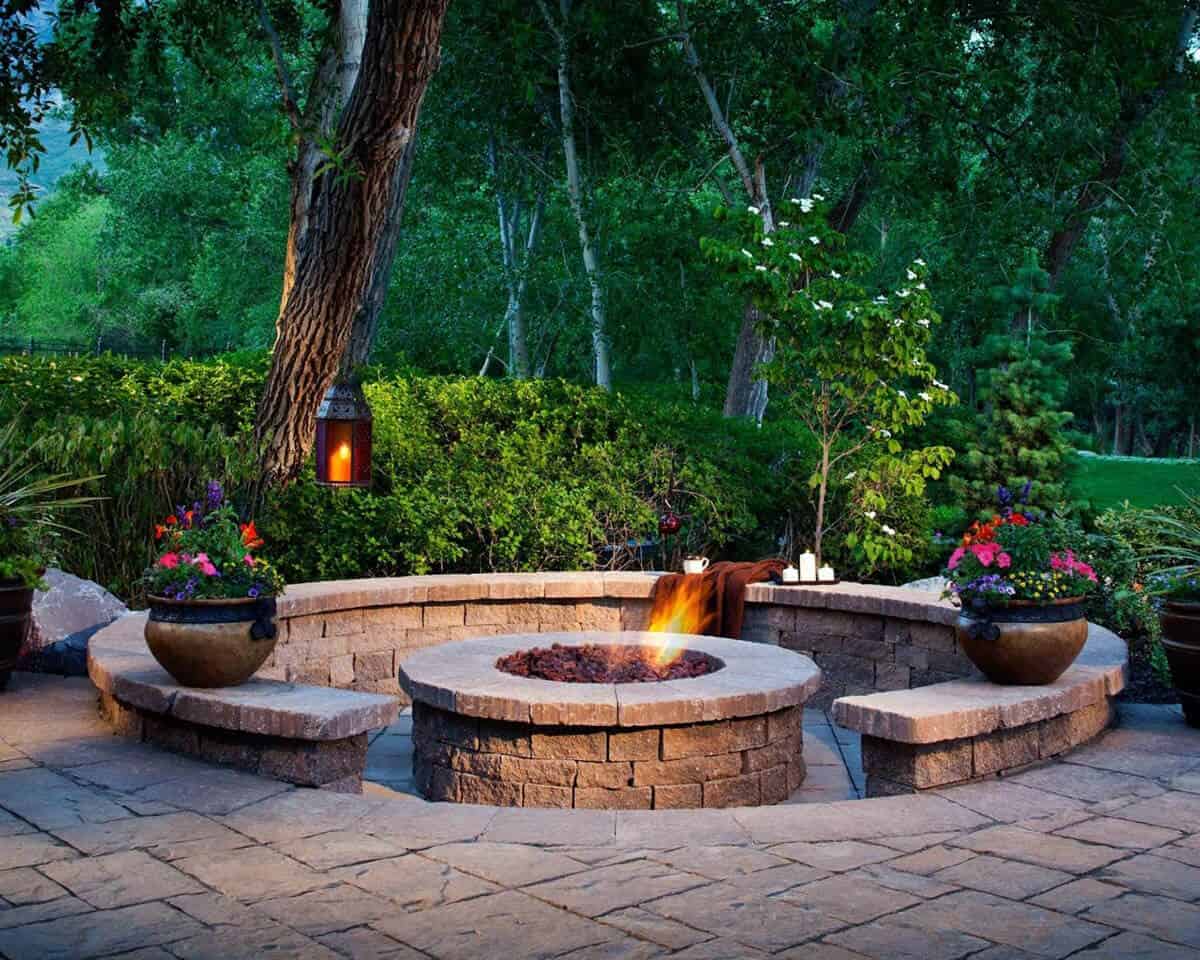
250, 538
1019, 520
159, 530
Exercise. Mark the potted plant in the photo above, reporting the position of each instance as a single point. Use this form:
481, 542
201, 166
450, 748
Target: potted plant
1021, 594
212, 597
30, 507
1176, 591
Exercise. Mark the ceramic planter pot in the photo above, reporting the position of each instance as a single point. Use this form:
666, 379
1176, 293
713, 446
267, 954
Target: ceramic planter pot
16, 602
1181, 640
211, 643
1022, 643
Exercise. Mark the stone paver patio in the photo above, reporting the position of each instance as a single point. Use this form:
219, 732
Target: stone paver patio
112, 848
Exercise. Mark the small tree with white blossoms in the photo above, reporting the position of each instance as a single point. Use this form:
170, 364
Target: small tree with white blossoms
850, 364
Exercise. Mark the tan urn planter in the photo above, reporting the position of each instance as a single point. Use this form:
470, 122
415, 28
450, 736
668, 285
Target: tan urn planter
1024, 644
1181, 640
211, 643
16, 602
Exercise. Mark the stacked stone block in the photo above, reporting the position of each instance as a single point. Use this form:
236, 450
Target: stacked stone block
893, 767
726, 763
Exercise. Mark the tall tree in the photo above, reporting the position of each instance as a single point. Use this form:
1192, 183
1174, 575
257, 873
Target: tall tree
560, 28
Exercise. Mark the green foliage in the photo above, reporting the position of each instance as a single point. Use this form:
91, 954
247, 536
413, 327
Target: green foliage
851, 365
1021, 437
476, 475
31, 508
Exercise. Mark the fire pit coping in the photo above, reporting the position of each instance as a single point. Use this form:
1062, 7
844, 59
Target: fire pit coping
464, 679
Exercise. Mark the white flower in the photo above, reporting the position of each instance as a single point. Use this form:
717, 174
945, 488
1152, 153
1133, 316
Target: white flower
768, 242
910, 275
796, 257
817, 196
920, 261
903, 293
902, 393
886, 434
835, 275
753, 209
898, 322
759, 266
806, 206
888, 530
924, 321
870, 514
795, 200
881, 299
785, 223
747, 253
940, 385
926, 397
852, 474
921, 286
814, 240
824, 305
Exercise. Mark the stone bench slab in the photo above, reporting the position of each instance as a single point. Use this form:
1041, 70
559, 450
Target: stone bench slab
121, 665
969, 708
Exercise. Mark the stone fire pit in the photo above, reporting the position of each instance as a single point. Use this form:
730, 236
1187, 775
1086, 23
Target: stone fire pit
729, 738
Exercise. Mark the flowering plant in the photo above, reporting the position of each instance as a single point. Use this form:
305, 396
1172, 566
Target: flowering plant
1013, 558
206, 554
1181, 585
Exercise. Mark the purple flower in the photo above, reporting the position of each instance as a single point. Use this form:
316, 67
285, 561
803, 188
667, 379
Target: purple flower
214, 496
252, 593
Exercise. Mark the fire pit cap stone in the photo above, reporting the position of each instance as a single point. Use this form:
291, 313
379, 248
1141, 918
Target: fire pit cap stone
463, 678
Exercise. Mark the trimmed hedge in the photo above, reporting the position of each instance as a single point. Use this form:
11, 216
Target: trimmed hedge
470, 474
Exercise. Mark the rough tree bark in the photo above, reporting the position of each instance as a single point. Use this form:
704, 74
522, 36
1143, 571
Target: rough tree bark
587, 244
342, 205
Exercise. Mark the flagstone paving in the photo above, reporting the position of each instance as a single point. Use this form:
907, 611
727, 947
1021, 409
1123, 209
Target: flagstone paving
110, 848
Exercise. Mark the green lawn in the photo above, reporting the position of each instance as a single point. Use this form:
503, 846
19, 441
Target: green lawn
1108, 482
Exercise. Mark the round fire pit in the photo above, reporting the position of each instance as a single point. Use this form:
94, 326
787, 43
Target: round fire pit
730, 736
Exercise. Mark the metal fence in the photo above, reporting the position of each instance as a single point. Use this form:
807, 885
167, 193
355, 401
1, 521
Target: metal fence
121, 346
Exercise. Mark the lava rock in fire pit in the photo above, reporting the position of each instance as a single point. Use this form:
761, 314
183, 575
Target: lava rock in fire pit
592, 663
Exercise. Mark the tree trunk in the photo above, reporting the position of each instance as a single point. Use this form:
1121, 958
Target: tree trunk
587, 243
366, 322
339, 215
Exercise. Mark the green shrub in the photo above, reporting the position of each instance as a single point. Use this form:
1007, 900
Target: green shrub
474, 475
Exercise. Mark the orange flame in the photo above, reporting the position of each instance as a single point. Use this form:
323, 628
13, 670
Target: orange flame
683, 615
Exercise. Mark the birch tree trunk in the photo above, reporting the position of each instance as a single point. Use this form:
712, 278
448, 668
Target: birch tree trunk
516, 258
587, 243
342, 206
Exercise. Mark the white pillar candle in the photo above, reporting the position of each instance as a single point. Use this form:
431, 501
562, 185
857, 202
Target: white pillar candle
826, 574
808, 566
790, 574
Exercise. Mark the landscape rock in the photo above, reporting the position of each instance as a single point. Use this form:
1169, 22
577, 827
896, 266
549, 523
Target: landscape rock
64, 618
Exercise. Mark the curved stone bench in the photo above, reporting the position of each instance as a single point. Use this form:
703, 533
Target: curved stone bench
354, 634
308, 735
949, 733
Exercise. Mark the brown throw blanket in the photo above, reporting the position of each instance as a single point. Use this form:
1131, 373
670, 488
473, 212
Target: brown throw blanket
709, 603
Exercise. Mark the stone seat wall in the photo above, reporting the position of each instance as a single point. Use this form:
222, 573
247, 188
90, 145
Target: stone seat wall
355, 634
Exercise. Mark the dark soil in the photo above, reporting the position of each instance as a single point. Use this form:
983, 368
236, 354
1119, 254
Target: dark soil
1145, 685
599, 664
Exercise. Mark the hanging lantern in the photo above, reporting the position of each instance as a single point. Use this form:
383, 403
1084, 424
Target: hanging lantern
344, 437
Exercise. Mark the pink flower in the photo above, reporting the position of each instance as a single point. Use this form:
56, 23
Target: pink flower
169, 560
1004, 561
956, 558
985, 553
248, 560
205, 565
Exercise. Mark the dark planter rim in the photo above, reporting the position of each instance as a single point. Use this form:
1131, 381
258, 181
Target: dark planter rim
157, 601
1062, 610
1186, 606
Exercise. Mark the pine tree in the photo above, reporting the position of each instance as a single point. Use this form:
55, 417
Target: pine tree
1021, 434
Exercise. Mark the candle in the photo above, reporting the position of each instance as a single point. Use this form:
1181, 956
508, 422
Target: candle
790, 574
339, 464
808, 567
825, 574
